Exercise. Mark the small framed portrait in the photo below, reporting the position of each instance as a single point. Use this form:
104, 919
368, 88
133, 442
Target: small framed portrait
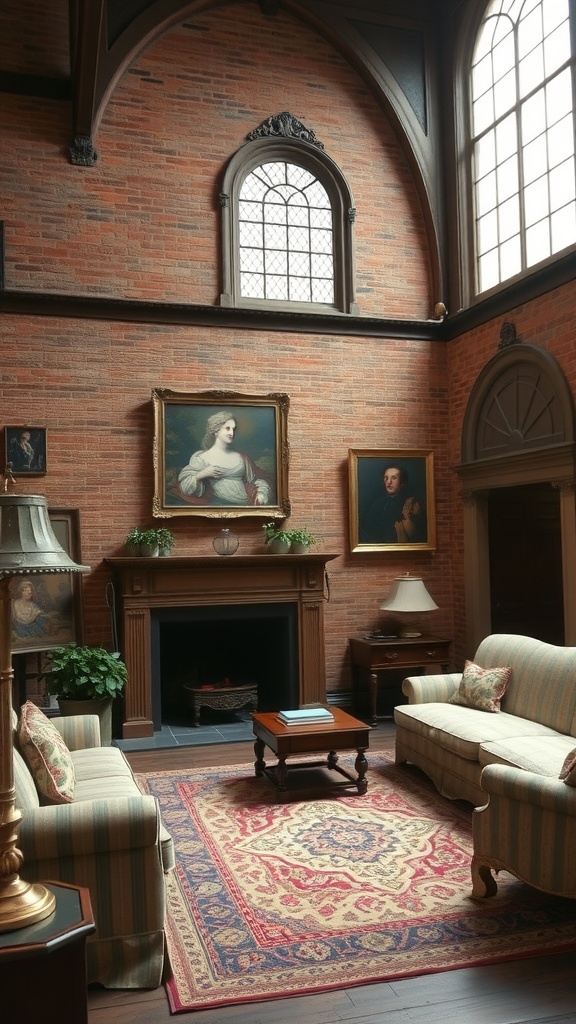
220, 454
391, 500
25, 453
47, 608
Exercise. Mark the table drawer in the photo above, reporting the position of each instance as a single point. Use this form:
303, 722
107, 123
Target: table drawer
406, 657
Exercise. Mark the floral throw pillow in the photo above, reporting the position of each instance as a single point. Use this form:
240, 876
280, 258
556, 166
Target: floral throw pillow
568, 769
46, 755
481, 688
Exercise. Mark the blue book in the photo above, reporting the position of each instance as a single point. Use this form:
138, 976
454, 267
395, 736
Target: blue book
305, 715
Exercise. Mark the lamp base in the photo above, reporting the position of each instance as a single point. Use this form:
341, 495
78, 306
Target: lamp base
408, 634
24, 903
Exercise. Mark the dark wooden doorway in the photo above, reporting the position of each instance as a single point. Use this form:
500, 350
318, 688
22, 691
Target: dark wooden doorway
525, 543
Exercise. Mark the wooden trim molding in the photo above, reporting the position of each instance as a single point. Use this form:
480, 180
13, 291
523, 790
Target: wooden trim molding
146, 584
545, 455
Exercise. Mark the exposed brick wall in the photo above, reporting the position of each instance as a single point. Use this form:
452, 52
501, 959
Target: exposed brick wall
34, 37
144, 223
90, 383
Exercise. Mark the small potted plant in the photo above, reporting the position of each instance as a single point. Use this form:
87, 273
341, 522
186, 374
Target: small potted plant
150, 542
165, 539
86, 680
149, 546
134, 540
302, 540
278, 541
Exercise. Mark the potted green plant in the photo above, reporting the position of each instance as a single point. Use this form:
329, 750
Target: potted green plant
149, 546
134, 540
166, 540
278, 541
156, 540
86, 680
301, 540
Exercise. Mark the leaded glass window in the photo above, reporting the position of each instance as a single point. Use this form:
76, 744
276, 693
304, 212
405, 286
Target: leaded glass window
285, 235
522, 117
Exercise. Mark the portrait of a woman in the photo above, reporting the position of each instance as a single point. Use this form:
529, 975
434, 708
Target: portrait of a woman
29, 620
220, 474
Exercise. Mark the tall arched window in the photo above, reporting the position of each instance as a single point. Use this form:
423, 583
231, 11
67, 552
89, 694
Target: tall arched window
522, 137
285, 235
287, 224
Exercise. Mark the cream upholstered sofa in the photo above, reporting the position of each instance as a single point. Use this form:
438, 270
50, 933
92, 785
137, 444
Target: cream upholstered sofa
535, 728
109, 838
508, 763
527, 827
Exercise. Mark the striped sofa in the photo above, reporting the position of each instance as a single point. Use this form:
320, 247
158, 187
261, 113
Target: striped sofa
109, 839
506, 764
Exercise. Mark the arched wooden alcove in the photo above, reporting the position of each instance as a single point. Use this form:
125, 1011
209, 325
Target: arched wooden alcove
518, 429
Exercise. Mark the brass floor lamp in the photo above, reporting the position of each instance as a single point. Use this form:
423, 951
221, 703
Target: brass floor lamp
28, 547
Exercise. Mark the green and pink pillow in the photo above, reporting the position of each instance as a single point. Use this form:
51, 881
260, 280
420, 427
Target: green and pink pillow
46, 755
481, 688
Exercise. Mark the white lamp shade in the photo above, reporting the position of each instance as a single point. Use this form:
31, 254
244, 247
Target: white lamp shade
408, 594
409, 599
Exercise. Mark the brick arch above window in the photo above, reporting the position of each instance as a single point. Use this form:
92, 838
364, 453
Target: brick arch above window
287, 225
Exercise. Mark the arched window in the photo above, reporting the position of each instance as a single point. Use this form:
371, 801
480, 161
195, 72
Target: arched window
522, 137
287, 224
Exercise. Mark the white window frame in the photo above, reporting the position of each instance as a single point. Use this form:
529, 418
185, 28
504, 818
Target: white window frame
526, 263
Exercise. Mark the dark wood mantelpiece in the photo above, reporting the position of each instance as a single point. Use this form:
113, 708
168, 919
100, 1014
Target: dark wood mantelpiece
144, 584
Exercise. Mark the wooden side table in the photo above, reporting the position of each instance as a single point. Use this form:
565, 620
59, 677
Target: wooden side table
43, 966
372, 656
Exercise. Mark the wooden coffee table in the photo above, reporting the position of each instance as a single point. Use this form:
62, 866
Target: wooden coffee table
344, 733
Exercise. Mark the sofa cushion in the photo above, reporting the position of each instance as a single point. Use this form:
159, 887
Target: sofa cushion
46, 755
462, 730
481, 688
568, 769
542, 755
100, 763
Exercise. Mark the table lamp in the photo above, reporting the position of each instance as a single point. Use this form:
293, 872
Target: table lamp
28, 547
409, 599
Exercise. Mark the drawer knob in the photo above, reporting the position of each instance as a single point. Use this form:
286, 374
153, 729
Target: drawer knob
432, 654
391, 656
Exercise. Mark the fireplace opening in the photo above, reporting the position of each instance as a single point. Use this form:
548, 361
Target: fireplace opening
223, 645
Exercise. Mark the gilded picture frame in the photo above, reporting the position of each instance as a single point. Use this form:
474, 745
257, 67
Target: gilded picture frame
391, 500
220, 454
47, 608
26, 450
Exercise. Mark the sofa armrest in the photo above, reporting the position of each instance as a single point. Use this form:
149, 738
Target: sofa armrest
79, 731
89, 827
431, 689
519, 785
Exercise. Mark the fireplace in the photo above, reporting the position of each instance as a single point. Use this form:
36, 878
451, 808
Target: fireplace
223, 645
276, 596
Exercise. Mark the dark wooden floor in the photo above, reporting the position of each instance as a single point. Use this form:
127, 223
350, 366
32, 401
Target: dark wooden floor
539, 990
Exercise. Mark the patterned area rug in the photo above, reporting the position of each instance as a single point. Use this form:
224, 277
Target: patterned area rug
272, 900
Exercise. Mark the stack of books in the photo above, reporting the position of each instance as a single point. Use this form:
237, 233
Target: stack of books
306, 716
